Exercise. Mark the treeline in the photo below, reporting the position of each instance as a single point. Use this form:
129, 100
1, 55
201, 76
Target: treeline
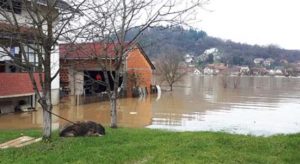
159, 40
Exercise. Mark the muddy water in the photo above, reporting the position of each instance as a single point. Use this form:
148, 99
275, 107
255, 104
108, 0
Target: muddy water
258, 106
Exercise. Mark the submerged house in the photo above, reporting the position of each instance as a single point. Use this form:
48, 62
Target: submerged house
214, 69
81, 68
16, 89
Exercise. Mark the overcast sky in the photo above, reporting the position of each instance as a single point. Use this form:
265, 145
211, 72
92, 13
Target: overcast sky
260, 22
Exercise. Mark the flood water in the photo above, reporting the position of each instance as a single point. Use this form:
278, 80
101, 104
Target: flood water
257, 106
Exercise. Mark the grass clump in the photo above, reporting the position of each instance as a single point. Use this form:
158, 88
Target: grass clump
126, 145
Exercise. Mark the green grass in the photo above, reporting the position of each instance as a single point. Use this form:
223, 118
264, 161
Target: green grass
154, 146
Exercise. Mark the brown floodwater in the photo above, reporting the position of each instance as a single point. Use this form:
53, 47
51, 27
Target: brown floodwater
257, 106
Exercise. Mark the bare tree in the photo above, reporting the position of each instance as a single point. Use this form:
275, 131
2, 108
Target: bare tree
135, 79
35, 27
110, 21
168, 67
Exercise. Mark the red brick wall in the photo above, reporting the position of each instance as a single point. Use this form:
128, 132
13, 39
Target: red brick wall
64, 74
136, 63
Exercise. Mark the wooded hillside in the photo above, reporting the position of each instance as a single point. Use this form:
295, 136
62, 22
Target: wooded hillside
159, 40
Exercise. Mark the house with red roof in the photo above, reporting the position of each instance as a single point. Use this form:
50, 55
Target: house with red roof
82, 64
16, 89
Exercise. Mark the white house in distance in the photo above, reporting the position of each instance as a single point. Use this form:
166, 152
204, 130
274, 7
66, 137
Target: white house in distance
258, 61
16, 87
208, 71
188, 58
261, 61
244, 69
197, 71
268, 62
211, 51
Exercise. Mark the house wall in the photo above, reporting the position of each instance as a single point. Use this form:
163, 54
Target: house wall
136, 63
22, 18
76, 82
16, 87
55, 83
25, 19
8, 105
71, 72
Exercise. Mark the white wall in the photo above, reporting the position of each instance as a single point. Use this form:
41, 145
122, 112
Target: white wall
22, 18
54, 69
3, 55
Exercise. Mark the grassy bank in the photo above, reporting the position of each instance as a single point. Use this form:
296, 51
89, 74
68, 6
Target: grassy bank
154, 146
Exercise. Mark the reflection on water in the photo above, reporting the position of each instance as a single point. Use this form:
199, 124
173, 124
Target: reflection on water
131, 113
259, 106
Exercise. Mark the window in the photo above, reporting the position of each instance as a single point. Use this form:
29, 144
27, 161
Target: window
16, 5
31, 56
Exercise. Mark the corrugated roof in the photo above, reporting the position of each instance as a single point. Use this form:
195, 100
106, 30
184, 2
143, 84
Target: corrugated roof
86, 50
93, 50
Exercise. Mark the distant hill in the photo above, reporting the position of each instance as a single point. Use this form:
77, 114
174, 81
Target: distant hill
160, 40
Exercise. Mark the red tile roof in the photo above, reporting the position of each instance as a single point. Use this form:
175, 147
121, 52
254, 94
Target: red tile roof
92, 50
86, 50
14, 84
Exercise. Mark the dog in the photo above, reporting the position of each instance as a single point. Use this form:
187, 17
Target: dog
83, 128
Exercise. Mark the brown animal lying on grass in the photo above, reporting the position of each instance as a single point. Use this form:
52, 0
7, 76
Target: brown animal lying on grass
84, 128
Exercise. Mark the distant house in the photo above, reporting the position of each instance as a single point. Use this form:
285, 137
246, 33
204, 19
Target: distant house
244, 70
217, 67
208, 52
258, 61
188, 58
278, 72
268, 62
297, 70
236, 70
271, 72
186, 68
213, 69
283, 61
197, 71
259, 71
80, 66
208, 71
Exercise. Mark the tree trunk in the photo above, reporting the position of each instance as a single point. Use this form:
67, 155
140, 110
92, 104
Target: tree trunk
47, 106
113, 102
47, 122
171, 87
46, 102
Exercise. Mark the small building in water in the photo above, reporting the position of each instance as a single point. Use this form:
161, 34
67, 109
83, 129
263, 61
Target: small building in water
82, 68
